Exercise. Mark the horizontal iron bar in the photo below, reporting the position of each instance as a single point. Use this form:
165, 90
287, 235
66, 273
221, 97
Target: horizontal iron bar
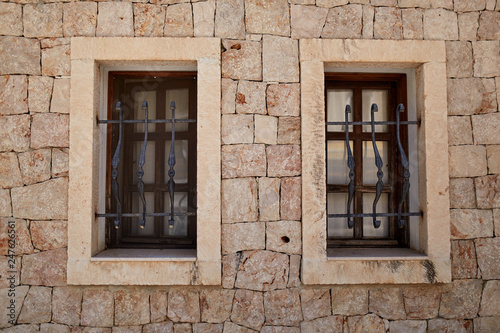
410, 122
147, 214
378, 214
150, 121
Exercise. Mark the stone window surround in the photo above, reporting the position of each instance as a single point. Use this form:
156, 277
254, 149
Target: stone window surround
369, 266
85, 231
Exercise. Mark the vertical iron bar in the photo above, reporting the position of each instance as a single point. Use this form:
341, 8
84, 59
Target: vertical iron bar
140, 163
379, 163
351, 165
406, 165
114, 163
171, 172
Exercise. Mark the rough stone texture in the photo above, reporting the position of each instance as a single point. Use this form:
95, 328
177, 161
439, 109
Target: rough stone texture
307, 21
490, 302
289, 130
279, 329
262, 271
115, 19
179, 20
283, 99
149, 20
280, 57
331, 3
471, 223
243, 160
242, 60
458, 59
184, 306
463, 260
56, 59
233, 328
35, 166
54, 328
294, 276
15, 133
237, 128
251, 97
229, 19
269, 17
283, 160
459, 131
486, 128
230, 265
368, 323
158, 328
13, 94
37, 306
489, 26
182, 328
421, 302
325, 324
131, 308
46, 268
20, 56
468, 24
60, 96
282, 307
368, 18
486, 325
284, 236
97, 307
384, 2
469, 5
216, 305
80, 19
269, 199
486, 58
487, 250
493, 158
203, 14
315, 303
207, 328
66, 305
462, 301
387, 303
127, 329
158, 306
290, 198
413, 326
10, 175
470, 96
266, 128
388, 23
440, 24
488, 191
40, 93
412, 23
49, 130
496, 217
344, 22
21, 292
243, 236
12, 22
239, 200
22, 237
350, 301
467, 161
43, 20
248, 309
5, 203
228, 98
60, 162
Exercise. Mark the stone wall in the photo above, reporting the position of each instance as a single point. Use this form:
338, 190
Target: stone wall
261, 168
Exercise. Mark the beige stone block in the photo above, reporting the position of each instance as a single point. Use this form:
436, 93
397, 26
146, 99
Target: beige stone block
56, 59
66, 305
294, 276
280, 59
459, 59
467, 161
486, 324
239, 200
462, 193
5, 203
40, 93
216, 305
471, 223
60, 96
13, 94
416, 326
384, 2
242, 60
289, 130
487, 250
280, 329
471, 95
269, 18
49, 130
22, 240
447, 4
283, 99
307, 21
462, 300
54, 328
184, 306
331, 3
440, 24
350, 301
60, 162
414, 3
158, 306
496, 218
244, 160
333, 323
131, 308
149, 20
243, 236
421, 302
251, 97
182, 328
230, 19
290, 198
282, 307
207, 328
283, 160
463, 259
486, 60
37, 306
459, 131
10, 174
11, 279
266, 129
97, 307
315, 303
46, 268
12, 22
489, 26
204, 22
412, 23
237, 128
248, 309
486, 128
468, 24
269, 199
262, 271
20, 55
43, 20
115, 19
490, 302
388, 23
80, 19
49, 235
302, 2
368, 19
158, 327
490, 4
344, 22
469, 5
488, 191
367, 323
230, 264
387, 303
35, 166
15, 133
493, 157
284, 236
179, 20
228, 99
21, 292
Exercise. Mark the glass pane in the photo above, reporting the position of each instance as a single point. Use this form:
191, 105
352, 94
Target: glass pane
337, 227
382, 207
337, 170
181, 161
180, 205
149, 165
181, 99
149, 229
337, 99
379, 97
369, 167
150, 97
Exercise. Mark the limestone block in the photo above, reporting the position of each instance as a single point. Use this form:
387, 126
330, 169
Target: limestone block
388, 23
115, 19
488, 191
269, 199
462, 301
12, 22
284, 236
291, 198
344, 22
47, 200
184, 306
486, 128
131, 308
279, 329
149, 20
251, 97
182, 328
490, 302
237, 128
66, 305
447, 4
414, 326
56, 59
493, 157
54, 328
282, 307
289, 130
387, 303
270, 17
302, 2
203, 13
49, 130
49, 235
280, 57
325, 324
262, 271
40, 93
489, 26
230, 264
228, 99
242, 60
307, 21
487, 324
10, 175
13, 94
158, 306
283, 99
283, 160
367, 323
5, 203
46, 268
15, 133
331, 3
35, 166
294, 276
315, 303
467, 161
80, 18
462, 194
207, 328
60, 162
239, 200
167, 327
179, 20
459, 131
487, 250
451, 325
412, 23
216, 305
12, 277
244, 160
463, 260
490, 4
468, 24
243, 236
19, 56
97, 307
43, 20
22, 329
350, 301
266, 129
471, 95
368, 18
384, 2
496, 217
458, 59
421, 302
229, 19
486, 61
440, 24
21, 292
248, 309
414, 3
22, 241
471, 223
469, 5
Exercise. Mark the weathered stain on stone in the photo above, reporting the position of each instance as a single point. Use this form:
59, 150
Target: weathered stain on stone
430, 271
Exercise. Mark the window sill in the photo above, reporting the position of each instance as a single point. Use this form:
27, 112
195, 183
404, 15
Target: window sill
374, 254
145, 255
